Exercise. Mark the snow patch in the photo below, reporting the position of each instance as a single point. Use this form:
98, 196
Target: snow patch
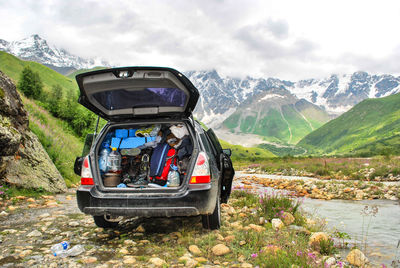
271, 96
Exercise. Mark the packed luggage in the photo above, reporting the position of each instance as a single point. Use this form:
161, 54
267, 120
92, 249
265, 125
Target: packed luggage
148, 156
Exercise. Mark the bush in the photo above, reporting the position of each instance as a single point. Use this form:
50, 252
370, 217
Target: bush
272, 206
30, 83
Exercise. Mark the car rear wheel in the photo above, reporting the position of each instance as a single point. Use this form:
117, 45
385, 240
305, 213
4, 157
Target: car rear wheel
102, 222
213, 221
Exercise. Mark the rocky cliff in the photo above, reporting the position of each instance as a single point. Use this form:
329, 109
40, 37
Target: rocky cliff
23, 160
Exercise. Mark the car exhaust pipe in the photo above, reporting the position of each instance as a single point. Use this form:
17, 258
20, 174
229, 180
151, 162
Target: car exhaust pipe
113, 218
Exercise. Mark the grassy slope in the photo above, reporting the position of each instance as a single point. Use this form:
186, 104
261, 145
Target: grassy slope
371, 126
72, 76
55, 135
59, 142
274, 125
12, 66
242, 154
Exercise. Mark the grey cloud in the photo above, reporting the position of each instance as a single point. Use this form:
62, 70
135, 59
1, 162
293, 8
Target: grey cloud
279, 28
258, 40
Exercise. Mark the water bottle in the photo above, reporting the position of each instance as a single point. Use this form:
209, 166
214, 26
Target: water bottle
59, 248
74, 251
114, 161
173, 177
103, 157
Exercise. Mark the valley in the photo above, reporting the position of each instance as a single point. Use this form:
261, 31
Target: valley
333, 141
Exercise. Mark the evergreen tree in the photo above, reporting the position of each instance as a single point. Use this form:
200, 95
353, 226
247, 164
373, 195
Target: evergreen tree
55, 100
30, 83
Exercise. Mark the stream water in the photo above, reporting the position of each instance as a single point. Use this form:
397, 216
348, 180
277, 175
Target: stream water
382, 231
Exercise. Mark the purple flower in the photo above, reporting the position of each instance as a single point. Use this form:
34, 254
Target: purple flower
299, 253
340, 264
254, 255
311, 255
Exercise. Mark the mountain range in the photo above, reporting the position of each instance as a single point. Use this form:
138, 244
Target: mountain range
276, 110
35, 48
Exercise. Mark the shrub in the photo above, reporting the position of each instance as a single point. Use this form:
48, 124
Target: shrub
272, 206
30, 83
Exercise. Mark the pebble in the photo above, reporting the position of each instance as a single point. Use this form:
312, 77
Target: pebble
189, 262
44, 215
277, 224
73, 223
195, 250
3, 213
34, 233
89, 260
129, 260
157, 262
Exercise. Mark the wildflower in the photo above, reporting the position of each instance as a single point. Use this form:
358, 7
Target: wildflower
299, 253
340, 264
311, 255
254, 255
383, 265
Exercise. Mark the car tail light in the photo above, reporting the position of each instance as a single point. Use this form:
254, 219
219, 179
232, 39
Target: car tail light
86, 173
201, 172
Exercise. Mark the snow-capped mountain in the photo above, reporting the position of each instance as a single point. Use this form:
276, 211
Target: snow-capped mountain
221, 96
337, 94
35, 48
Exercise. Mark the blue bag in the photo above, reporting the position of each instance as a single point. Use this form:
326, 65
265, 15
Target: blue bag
158, 159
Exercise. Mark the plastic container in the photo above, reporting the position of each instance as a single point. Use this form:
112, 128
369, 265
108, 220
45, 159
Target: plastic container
173, 177
59, 248
103, 157
114, 161
74, 251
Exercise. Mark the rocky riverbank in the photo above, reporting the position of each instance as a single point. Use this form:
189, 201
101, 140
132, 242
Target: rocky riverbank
326, 189
30, 226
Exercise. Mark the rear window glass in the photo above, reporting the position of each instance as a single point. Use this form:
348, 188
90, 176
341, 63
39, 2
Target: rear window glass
148, 97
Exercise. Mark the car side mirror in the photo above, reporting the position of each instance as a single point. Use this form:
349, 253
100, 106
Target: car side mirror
228, 152
78, 165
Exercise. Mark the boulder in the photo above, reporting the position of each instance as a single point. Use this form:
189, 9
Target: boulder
357, 258
23, 160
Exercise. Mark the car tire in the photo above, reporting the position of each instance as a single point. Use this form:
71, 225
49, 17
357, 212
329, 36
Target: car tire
100, 221
213, 221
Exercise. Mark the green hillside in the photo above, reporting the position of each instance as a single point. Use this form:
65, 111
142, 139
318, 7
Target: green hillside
285, 124
242, 154
12, 66
72, 76
370, 127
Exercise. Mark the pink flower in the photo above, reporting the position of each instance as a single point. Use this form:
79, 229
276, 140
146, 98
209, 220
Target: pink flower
254, 255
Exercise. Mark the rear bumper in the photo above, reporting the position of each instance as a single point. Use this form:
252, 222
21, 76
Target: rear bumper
189, 203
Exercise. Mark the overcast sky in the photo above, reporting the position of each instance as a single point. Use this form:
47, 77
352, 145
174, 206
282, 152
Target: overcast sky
284, 39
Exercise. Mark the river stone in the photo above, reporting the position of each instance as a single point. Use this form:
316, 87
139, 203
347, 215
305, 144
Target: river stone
277, 224
23, 160
357, 258
287, 218
316, 238
157, 262
34, 233
195, 250
220, 250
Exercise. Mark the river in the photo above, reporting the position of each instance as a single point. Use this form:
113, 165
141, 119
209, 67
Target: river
383, 229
